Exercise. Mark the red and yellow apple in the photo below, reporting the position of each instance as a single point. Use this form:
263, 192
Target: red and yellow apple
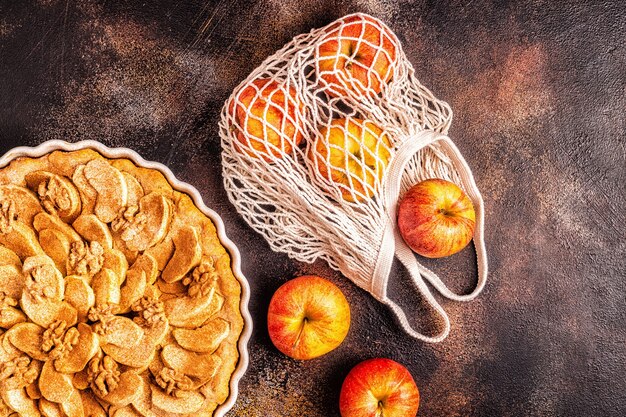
436, 218
308, 317
351, 154
267, 117
379, 387
357, 55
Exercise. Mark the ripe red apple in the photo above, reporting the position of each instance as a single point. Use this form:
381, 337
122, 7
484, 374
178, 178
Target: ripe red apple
352, 154
267, 118
358, 54
379, 388
436, 218
308, 317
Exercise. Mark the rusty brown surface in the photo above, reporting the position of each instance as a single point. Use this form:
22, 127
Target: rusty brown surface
537, 88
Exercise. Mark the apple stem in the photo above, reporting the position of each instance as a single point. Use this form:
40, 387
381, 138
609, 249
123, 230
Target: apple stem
351, 56
379, 411
304, 321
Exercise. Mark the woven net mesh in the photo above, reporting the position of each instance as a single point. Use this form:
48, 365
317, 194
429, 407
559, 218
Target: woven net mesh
309, 140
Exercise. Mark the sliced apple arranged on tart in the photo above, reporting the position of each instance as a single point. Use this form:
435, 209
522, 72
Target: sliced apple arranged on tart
86, 244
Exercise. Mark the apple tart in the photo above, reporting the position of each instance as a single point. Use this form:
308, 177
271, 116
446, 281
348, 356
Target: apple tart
116, 295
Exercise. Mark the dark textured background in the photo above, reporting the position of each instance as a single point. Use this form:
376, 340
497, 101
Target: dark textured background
537, 88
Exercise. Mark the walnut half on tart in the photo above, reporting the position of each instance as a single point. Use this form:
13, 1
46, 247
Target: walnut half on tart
116, 295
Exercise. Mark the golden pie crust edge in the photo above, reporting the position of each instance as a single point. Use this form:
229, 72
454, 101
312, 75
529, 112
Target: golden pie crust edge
219, 392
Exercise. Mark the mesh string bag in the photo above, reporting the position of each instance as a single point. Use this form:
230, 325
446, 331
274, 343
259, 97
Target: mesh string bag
322, 139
